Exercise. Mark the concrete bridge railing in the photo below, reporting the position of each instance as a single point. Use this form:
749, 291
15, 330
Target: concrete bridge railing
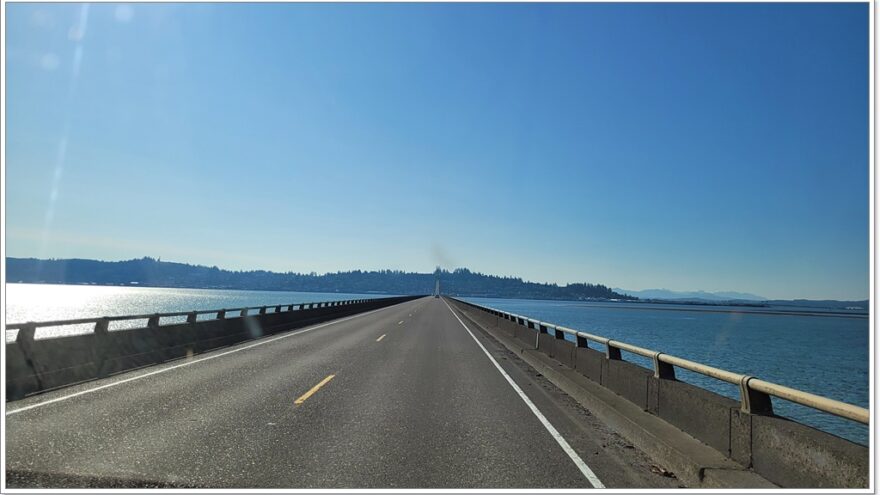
35, 365
783, 451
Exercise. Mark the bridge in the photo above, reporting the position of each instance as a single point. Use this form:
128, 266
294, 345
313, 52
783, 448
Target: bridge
402, 392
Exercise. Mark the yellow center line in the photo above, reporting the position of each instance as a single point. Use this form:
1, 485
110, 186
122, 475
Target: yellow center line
314, 389
380, 338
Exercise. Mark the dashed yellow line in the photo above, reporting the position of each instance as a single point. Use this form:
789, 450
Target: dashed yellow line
314, 389
380, 338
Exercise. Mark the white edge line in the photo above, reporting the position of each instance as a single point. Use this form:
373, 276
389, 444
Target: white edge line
188, 363
581, 465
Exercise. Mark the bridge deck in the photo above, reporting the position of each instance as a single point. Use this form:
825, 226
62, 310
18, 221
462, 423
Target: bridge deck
423, 406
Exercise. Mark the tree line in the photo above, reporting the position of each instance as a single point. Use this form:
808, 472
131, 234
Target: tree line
156, 273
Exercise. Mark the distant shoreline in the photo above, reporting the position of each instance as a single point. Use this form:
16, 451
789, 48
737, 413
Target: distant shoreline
156, 273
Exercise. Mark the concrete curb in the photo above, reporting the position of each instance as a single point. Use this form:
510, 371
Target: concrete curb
693, 462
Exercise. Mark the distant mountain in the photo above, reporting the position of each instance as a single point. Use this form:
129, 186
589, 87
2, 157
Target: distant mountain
741, 298
699, 295
150, 272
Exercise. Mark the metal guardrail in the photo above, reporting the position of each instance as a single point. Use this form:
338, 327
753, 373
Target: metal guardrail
754, 393
28, 329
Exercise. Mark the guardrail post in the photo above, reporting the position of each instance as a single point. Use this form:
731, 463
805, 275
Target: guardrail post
99, 351
26, 333
581, 342
752, 401
153, 322
302, 306
612, 352
263, 310
244, 312
221, 314
661, 369
559, 333
25, 340
277, 309
102, 326
192, 317
290, 307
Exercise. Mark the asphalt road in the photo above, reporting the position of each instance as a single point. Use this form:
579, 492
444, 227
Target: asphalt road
402, 397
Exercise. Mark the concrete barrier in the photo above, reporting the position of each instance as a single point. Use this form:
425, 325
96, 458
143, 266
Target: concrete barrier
589, 362
35, 365
627, 380
565, 352
793, 455
524, 334
783, 451
701, 413
546, 344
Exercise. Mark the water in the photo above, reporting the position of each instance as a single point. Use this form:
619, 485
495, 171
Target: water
45, 302
824, 355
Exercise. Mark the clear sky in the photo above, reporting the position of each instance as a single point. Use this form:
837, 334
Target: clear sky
713, 146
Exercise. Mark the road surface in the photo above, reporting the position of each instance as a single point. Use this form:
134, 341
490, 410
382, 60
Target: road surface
401, 397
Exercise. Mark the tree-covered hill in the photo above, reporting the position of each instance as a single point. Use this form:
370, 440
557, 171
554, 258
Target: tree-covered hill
155, 273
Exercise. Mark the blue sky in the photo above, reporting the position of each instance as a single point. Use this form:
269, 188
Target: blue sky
684, 146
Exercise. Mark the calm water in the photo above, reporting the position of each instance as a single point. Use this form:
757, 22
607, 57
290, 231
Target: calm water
43, 302
823, 355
